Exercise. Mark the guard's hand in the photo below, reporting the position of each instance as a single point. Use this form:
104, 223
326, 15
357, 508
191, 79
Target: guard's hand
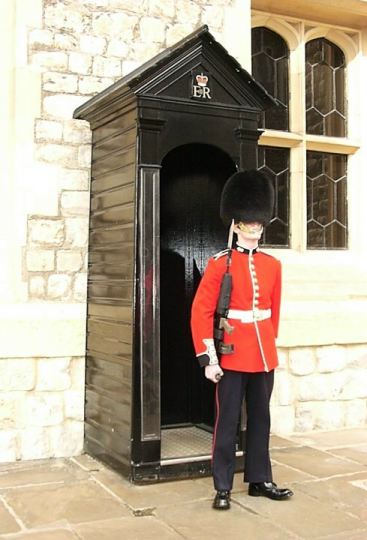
213, 373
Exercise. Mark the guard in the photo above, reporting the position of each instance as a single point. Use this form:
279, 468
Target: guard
238, 348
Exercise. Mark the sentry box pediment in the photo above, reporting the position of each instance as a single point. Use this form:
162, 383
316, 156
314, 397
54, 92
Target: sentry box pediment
165, 139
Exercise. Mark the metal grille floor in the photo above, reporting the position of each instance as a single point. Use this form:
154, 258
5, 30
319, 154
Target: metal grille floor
185, 441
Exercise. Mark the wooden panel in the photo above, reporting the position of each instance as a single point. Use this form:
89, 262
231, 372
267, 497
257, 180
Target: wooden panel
110, 290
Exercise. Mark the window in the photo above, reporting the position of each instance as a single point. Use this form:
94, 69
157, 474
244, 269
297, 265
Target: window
276, 162
270, 56
325, 67
306, 145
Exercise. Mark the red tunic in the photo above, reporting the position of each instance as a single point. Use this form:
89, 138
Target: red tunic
256, 279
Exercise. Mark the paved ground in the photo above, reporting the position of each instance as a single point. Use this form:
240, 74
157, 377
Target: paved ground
80, 499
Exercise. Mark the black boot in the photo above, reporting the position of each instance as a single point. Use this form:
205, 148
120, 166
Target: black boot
270, 490
222, 500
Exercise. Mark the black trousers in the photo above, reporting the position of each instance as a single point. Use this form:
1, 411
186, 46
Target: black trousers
256, 388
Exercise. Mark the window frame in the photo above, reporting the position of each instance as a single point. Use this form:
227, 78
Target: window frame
296, 34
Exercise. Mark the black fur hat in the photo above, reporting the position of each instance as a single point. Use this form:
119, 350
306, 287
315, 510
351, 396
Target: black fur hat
247, 196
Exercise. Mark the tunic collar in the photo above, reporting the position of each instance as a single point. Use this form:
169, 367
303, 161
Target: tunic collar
242, 249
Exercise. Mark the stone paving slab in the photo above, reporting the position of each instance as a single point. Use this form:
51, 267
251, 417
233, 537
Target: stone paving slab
75, 503
151, 496
355, 453
341, 492
194, 522
41, 473
314, 462
7, 522
303, 515
331, 439
50, 534
131, 528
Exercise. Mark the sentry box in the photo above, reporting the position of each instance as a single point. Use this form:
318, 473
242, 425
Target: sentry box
165, 139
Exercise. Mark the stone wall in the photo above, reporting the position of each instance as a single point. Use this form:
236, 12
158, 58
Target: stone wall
81, 48
320, 388
41, 407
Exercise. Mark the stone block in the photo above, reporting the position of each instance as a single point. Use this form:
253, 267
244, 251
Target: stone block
117, 47
304, 417
302, 361
61, 154
46, 231
80, 63
355, 413
213, 16
355, 384
68, 261
62, 106
282, 419
330, 359
63, 17
44, 409
40, 260
80, 287
187, 10
85, 155
152, 29
34, 443
92, 45
92, 85
114, 24
176, 32
8, 445
74, 405
67, 439
37, 287
74, 179
127, 5
329, 415
48, 130
76, 232
357, 356
77, 132
66, 42
53, 374
77, 370
165, 9
128, 66
59, 286
10, 411
60, 82
75, 203
321, 387
142, 52
106, 67
17, 374
283, 388
283, 358
41, 38
57, 61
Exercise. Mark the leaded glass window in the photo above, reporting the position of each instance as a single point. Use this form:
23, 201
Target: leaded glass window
325, 89
275, 161
270, 57
326, 200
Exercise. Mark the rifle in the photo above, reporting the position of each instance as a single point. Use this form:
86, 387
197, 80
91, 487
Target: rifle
221, 323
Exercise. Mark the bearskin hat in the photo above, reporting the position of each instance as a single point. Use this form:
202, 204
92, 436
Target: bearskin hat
247, 196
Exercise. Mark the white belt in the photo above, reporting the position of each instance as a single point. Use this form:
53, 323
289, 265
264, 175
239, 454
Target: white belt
249, 315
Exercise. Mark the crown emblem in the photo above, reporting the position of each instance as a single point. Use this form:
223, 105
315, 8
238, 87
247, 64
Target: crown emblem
201, 79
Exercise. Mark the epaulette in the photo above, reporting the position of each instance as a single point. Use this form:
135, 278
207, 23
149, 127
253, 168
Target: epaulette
221, 254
